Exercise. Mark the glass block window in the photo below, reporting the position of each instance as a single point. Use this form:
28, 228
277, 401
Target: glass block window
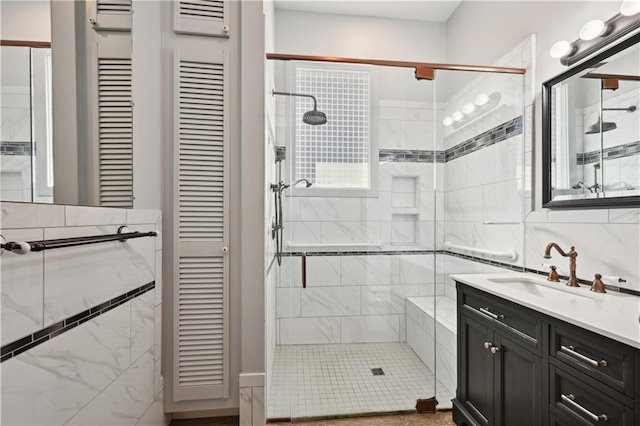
336, 154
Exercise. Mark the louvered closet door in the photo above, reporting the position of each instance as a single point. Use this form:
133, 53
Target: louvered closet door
113, 15
201, 218
202, 17
114, 125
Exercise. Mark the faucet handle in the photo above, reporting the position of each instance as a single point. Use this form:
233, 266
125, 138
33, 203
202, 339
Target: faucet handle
553, 275
597, 286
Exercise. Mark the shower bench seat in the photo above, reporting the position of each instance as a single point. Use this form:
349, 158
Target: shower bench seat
426, 315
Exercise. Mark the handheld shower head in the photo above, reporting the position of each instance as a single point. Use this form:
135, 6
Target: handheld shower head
312, 118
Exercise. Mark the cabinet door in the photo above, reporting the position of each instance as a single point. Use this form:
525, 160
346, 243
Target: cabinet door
476, 370
517, 384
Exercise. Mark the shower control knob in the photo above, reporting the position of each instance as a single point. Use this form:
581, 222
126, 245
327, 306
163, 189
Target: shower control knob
225, 249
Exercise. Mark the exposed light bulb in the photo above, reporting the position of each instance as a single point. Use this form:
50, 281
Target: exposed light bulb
630, 7
592, 29
482, 99
447, 121
456, 116
560, 49
468, 108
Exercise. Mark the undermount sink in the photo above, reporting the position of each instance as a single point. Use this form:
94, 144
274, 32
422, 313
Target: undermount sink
538, 287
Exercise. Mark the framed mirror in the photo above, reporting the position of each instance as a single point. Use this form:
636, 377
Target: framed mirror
26, 157
66, 134
591, 132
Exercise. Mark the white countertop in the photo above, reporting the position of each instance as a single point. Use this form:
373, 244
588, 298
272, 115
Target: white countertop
614, 315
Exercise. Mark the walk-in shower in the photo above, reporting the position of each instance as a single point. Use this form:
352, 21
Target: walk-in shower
374, 328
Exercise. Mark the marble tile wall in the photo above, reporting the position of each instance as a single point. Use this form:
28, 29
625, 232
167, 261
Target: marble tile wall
105, 370
486, 191
350, 299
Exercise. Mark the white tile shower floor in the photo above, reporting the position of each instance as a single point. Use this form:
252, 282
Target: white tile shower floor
333, 380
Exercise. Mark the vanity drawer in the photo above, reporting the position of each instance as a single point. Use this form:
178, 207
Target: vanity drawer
599, 357
521, 323
577, 403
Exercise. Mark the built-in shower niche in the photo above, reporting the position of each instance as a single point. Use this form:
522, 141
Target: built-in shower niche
405, 210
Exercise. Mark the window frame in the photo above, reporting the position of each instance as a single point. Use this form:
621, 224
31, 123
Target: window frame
313, 191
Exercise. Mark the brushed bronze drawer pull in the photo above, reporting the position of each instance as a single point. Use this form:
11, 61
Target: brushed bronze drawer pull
572, 351
569, 399
487, 312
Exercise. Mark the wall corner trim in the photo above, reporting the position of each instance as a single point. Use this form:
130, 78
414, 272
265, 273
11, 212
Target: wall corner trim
250, 380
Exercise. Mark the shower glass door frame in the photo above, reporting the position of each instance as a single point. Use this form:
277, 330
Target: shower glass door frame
314, 320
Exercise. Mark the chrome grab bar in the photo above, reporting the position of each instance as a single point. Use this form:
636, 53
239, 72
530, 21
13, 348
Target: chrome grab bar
569, 399
304, 269
487, 312
572, 351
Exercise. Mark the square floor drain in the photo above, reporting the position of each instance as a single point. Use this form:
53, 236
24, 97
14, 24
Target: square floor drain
377, 371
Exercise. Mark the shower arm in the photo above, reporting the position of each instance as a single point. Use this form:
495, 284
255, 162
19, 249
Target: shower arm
315, 103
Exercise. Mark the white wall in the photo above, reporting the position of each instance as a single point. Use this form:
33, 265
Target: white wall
25, 20
588, 230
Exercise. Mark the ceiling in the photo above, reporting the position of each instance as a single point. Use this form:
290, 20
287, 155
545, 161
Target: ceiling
418, 10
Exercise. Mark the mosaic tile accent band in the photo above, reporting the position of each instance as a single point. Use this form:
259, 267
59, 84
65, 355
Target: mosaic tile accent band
410, 156
18, 346
17, 148
620, 151
499, 133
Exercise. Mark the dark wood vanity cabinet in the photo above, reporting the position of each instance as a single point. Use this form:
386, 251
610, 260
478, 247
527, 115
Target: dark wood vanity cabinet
499, 365
519, 367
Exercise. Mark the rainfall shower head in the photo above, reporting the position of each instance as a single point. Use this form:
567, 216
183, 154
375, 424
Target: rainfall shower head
605, 126
314, 117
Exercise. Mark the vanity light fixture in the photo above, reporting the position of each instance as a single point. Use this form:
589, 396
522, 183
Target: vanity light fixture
560, 49
596, 34
593, 29
482, 104
630, 7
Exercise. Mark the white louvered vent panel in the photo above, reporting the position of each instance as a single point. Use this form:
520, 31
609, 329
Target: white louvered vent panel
201, 321
209, 9
114, 6
202, 17
115, 126
201, 151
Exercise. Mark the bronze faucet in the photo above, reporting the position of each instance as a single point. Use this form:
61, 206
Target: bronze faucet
597, 286
573, 280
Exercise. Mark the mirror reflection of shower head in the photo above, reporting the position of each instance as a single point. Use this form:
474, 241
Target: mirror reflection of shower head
600, 127
605, 126
314, 117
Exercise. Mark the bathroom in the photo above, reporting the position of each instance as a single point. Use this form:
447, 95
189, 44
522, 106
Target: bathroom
449, 182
